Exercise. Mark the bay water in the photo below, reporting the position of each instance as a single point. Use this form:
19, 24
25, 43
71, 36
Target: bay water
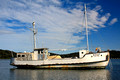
7, 72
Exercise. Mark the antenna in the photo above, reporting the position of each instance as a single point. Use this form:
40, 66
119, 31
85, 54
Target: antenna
34, 33
86, 29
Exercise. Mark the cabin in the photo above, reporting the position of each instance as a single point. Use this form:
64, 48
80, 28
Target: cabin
38, 54
41, 53
24, 56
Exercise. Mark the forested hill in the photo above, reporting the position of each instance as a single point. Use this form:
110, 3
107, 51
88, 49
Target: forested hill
7, 54
114, 54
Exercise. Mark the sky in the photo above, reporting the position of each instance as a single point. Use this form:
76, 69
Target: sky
60, 24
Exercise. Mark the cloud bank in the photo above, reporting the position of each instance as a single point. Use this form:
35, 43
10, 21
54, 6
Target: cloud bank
55, 23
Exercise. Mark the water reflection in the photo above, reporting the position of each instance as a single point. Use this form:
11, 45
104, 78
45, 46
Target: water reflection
29, 74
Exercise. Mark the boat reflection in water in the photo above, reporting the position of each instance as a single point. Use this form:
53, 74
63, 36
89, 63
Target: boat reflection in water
29, 74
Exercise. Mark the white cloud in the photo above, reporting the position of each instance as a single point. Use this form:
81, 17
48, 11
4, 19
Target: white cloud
56, 25
56, 2
113, 21
97, 8
6, 31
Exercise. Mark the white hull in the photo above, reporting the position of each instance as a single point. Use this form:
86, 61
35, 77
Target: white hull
98, 60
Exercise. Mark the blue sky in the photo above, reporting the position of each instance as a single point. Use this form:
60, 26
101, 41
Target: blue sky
59, 24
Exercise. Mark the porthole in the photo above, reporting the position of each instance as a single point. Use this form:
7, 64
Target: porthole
82, 52
18, 55
23, 55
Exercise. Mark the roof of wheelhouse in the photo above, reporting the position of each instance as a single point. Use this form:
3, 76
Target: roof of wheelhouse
40, 49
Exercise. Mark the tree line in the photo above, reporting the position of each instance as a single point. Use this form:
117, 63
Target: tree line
7, 54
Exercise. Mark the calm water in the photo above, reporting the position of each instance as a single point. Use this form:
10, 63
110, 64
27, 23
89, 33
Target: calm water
112, 72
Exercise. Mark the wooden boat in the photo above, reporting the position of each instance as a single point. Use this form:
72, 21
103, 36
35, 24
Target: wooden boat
41, 58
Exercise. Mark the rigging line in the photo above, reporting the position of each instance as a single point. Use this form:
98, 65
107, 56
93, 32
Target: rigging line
67, 49
81, 32
38, 37
67, 42
82, 26
100, 36
86, 27
90, 41
36, 41
30, 37
83, 21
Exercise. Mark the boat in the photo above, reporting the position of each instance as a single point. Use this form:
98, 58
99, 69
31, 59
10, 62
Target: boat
41, 58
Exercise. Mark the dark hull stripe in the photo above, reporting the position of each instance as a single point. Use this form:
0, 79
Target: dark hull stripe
40, 67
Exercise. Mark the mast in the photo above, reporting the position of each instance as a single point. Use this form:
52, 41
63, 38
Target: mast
34, 33
86, 29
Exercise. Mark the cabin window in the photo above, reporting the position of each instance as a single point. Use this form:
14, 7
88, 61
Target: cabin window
82, 52
23, 55
41, 51
18, 55
38, 51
